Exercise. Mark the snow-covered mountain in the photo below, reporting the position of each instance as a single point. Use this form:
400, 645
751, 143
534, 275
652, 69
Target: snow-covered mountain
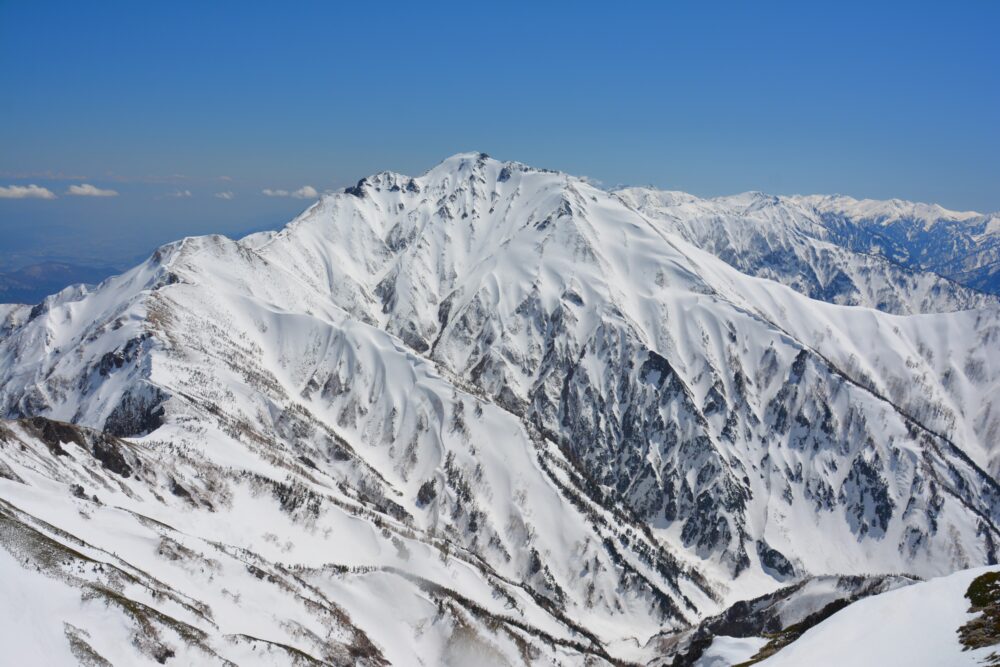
492, 411
963, 246
831, 248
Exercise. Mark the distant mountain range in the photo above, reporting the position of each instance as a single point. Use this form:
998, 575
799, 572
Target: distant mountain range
495, 415
30, 284
898, 257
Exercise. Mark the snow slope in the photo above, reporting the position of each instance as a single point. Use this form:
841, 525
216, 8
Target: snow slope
147, 555
741, 631
916, 625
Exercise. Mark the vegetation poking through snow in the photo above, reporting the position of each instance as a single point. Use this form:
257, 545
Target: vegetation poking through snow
983, 630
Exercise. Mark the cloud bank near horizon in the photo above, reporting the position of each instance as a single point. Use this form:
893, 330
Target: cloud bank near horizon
88, 190
305, 192
25, 192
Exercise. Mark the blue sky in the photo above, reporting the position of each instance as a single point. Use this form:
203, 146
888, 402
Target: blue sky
158, 99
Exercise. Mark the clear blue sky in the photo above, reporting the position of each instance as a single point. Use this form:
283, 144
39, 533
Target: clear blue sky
151, 99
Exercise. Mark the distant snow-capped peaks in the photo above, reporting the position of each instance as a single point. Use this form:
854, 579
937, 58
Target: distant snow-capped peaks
651, 196
884, 211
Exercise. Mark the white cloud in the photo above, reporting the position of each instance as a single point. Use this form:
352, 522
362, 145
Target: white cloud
88, 190
25, 192
305, 192
180, 194
224, 195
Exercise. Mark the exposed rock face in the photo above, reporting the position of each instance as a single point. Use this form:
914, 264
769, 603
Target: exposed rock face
139, 412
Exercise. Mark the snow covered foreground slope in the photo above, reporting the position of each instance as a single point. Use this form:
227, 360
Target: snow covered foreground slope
112, 553
917, 625
491, 410
834, 621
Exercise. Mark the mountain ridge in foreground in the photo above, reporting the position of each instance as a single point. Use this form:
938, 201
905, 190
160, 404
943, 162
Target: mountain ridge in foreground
490, 414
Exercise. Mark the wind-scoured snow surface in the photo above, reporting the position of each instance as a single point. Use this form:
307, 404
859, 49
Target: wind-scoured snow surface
488, 415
